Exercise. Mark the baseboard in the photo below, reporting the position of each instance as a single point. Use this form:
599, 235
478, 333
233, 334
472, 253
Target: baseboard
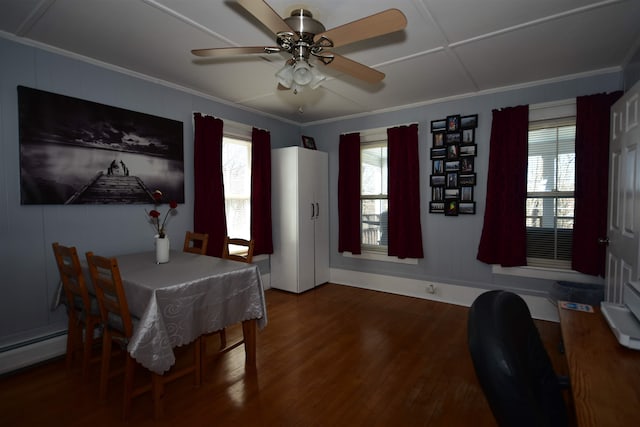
31, 354
540, 306
40, 351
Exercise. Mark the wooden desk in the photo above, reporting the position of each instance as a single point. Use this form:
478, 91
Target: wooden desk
605, 376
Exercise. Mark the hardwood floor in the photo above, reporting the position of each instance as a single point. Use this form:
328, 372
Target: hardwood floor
334, 356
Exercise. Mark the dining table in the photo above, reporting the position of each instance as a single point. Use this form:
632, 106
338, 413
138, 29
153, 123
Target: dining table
176, 302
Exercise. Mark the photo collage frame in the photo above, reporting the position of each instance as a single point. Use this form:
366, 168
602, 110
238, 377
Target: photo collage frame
453, 176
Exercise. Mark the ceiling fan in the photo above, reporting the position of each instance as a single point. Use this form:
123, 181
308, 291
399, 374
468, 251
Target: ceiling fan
303, 37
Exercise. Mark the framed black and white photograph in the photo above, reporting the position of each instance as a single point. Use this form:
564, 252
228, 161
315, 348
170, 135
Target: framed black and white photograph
439, 153
436, 207
438, 167
467, 208
453, 152
453, 138
469, 122
452, 166
74, 151
437, 180
439, 125
466, 164
468, 150
437, 193
452, 180
468, 136
451, 193
466, 193
308, 142
467, 179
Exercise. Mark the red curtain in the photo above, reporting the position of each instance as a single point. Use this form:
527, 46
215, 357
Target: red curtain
208, 207
405, 231
261, 191
504, 237
349, 194
592, 176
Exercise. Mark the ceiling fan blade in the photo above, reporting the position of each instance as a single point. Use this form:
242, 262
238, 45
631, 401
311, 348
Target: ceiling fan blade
231, 51
265, 14
375, 25
355, 69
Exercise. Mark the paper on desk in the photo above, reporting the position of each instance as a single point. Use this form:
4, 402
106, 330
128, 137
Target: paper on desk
576, 306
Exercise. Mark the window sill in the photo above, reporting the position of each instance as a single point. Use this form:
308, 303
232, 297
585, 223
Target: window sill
377, 256
547, 273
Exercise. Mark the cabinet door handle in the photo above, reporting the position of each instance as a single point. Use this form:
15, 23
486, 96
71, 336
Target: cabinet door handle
313, 211
317, 209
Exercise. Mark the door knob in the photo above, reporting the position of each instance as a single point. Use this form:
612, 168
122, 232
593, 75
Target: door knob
603, 240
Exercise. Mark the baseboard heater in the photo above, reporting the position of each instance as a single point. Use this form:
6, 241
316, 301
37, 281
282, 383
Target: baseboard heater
17, 356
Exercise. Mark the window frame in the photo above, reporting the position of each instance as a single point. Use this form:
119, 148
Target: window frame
560, 234
538, 112
380, 249
242, 134
369, 136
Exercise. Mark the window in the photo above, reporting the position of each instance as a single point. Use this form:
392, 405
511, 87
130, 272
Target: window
236, 172
373, 195
550, 186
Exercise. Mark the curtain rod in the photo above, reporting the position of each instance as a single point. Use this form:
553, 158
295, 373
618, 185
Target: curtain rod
380, 129
233, 124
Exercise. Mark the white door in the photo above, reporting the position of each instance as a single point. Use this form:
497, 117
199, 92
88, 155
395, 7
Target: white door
624, 196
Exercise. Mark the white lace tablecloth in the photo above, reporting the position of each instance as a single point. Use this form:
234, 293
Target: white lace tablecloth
189, 296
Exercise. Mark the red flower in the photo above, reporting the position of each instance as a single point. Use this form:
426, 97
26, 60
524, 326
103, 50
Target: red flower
155, 214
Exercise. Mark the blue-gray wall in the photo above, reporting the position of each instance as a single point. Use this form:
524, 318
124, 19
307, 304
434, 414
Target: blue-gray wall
28, 276
632, 70
450, 243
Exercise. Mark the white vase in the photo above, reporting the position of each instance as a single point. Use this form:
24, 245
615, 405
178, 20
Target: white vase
162, 249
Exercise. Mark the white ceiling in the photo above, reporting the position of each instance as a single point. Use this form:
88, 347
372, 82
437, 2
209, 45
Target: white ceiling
450, 47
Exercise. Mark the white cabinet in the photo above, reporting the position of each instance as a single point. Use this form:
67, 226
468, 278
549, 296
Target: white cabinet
300, 195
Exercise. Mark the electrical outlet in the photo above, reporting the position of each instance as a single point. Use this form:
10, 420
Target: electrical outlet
431, 288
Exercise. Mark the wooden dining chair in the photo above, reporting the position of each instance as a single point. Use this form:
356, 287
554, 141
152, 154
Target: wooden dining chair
196, 242
119, 327
82, 308
235, 249
243, 249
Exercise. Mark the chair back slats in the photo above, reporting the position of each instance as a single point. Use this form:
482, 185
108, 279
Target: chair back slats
196, 243
82, 313
112, 300
246, 255
73, 283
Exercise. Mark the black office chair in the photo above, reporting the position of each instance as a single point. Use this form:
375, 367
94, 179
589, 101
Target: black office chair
511, 363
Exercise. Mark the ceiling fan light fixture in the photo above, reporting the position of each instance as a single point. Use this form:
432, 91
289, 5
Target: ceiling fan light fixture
301, 35
299, 75
302, 73
285, 76
318, 78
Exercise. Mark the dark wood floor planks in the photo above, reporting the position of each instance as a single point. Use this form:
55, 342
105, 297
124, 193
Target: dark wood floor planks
334, 356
